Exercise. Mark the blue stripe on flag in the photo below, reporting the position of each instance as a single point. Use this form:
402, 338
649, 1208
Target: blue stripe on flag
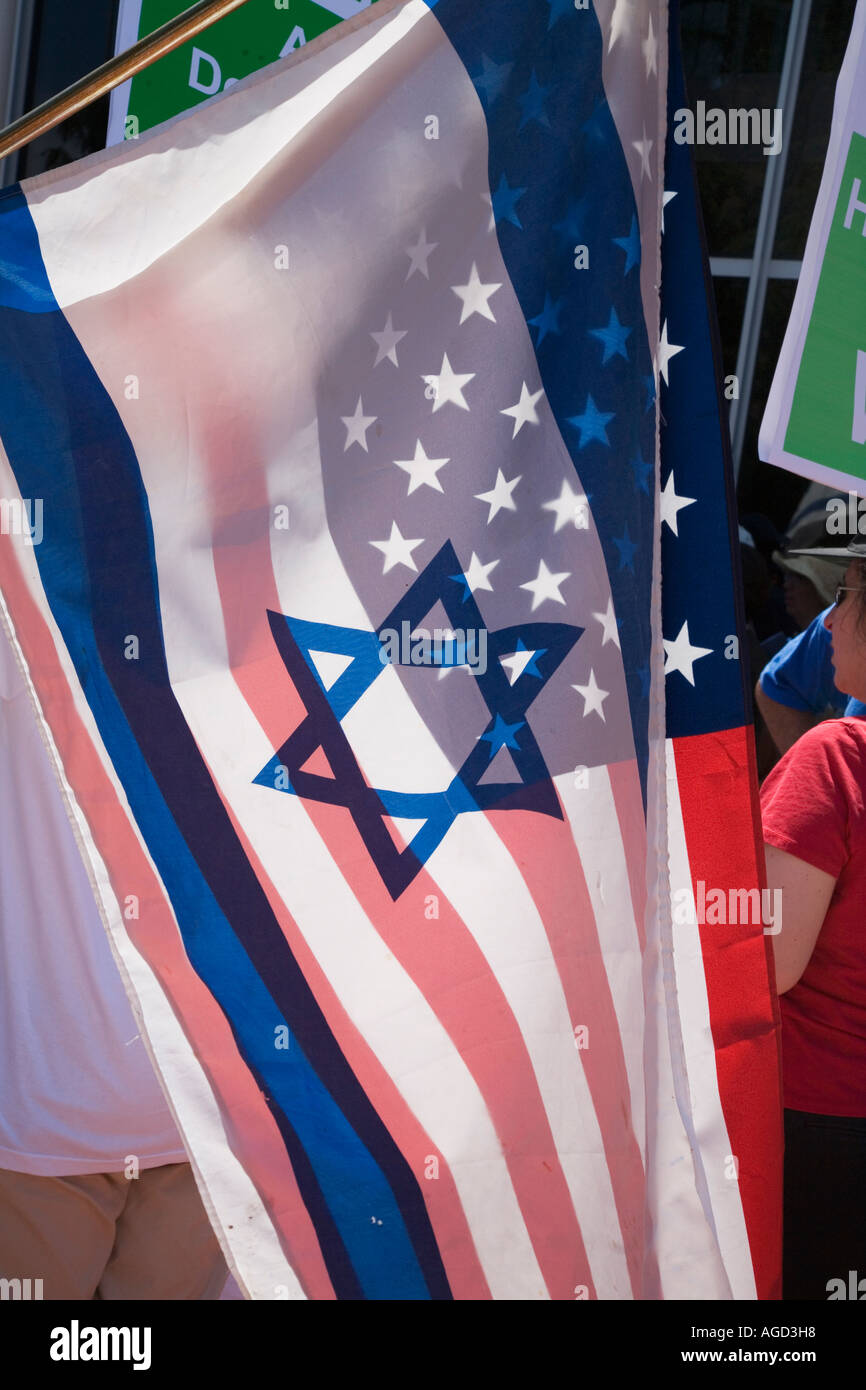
701, 583
560, 180
67, 445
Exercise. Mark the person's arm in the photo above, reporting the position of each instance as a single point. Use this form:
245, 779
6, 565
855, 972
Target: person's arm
805, 897
784, 724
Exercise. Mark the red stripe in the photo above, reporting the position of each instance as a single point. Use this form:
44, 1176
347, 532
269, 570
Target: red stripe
721, 818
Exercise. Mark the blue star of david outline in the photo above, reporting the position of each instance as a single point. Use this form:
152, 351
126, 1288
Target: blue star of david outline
326, 708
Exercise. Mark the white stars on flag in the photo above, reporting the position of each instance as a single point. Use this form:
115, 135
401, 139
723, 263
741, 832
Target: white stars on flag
671, 504
476, 573
593, 697
419, 255
620, 21
546, 586
448, 386
569, 506
643, 147
524, 412
476, 297
397, 550
517, 663
681, 656
422, 470
357, 426
650, 47
387, 341
665, 352
607, 619
499, 497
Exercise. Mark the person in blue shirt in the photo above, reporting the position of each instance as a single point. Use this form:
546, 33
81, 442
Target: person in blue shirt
796, 689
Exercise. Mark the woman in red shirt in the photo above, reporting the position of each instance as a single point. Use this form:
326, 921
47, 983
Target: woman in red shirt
814, 814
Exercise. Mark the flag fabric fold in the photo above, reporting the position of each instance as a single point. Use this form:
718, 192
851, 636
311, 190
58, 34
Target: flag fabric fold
345, 634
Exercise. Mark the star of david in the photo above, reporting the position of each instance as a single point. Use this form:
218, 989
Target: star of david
326, 708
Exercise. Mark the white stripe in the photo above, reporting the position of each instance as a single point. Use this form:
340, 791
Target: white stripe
592, 815
278, 104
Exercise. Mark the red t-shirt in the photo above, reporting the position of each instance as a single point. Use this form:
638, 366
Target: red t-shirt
813, 806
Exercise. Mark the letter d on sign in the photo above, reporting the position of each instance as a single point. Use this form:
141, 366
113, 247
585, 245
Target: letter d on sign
198, 57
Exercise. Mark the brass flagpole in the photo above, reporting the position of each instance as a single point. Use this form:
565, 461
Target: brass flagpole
111, 74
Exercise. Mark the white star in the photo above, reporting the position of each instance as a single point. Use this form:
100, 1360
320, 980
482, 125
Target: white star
462, 666
422, 470
618, 22
420, 254
680, 654
593, 696
475, 297
524, 411
671, 504
387, 342
499, 496
665, 352
650, 46
643, 148
666, 198
449, 386
357, 426
476, 573
545, 586
397, 550
570, 506
608, 622
516, 664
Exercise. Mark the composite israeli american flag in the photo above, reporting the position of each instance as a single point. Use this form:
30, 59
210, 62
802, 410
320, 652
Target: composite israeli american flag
344, 630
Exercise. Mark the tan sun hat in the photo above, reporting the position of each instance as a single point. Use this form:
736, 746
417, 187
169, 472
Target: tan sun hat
821, 564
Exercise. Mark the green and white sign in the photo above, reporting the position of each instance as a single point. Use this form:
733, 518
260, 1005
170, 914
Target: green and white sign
259, 33
815, 420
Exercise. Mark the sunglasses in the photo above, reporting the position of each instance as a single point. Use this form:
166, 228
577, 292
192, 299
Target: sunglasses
845, 589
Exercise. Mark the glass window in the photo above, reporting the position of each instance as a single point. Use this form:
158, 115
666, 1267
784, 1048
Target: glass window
732, 55
70, 39
829, 27
762, 487
730, 292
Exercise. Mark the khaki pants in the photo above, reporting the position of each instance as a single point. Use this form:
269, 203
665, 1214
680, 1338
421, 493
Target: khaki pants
103, 1236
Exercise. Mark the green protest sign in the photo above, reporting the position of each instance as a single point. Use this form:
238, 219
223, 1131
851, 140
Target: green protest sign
815, 420
258, 33
828, 410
